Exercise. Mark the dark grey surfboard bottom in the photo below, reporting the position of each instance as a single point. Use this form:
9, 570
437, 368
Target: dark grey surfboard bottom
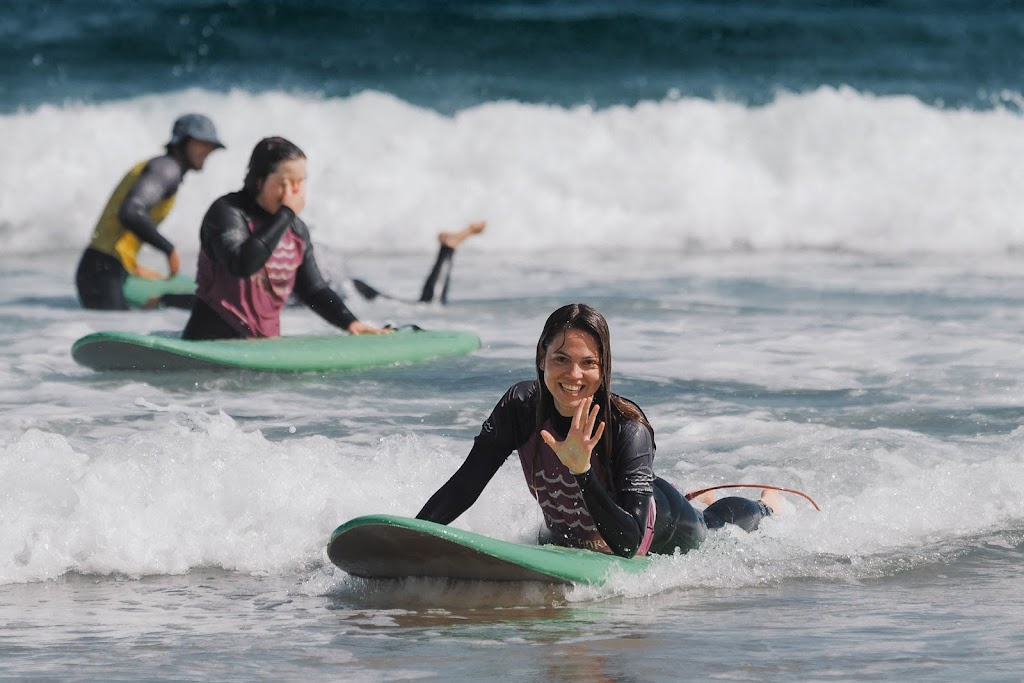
402, 553
119, 355
390, 547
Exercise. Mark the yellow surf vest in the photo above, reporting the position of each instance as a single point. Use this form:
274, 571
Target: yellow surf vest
111, 237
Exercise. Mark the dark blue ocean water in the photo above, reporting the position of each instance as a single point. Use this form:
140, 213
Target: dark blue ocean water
450, 55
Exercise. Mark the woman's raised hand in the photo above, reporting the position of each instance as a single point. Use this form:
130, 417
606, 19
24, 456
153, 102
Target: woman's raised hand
579, 443
294, 195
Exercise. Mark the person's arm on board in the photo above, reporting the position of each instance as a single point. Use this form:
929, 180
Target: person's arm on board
622, 520
622, 526
460, 492
491, 448
315, 292
159, 179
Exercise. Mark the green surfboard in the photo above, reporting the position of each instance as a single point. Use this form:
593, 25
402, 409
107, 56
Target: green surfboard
389, 547
132, 351
139, 290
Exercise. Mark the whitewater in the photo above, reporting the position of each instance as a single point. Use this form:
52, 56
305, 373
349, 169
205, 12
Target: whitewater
823, 292
829, 169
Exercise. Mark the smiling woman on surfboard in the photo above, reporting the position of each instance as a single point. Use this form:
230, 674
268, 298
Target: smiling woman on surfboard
587, 454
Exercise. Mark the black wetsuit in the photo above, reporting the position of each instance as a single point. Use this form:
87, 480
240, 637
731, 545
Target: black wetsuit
100, 281
100, 276
229, 243
620, 517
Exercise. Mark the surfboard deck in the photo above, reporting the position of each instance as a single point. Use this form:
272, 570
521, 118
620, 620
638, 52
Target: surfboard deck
133, 351
390, 547
139, 290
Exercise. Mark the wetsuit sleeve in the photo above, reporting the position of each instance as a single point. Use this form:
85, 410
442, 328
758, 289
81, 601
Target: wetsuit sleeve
227, 237
159, 179
313, 289
491, 448
623, 522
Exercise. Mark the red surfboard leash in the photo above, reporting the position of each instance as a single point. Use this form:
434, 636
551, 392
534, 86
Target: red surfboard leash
693, 494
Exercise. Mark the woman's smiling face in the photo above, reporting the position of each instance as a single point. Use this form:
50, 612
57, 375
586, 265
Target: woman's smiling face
572, 370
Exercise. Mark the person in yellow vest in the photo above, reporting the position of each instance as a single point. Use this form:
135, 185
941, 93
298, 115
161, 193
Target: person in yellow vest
140, 202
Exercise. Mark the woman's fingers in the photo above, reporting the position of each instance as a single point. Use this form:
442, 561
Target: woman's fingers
585, 432
577, 415
585, 414
591, 418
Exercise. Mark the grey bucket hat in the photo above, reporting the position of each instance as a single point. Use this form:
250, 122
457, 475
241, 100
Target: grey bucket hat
194, 126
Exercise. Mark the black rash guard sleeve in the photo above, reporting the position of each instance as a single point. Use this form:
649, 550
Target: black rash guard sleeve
329, 305
491, 448
623, 523
312, 288
464, 487
160, 179
226, 236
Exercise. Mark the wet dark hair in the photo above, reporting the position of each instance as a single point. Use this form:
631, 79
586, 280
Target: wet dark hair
266, 156
614, 408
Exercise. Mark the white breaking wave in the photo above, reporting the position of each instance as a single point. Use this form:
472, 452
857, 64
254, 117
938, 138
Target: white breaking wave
833, 169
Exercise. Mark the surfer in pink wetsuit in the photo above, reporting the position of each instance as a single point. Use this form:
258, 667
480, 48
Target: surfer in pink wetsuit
587, 454
256, 252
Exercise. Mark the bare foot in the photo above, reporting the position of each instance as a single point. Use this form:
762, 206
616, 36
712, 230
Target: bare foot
776, 502
151, 303
454, 239
707, 498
